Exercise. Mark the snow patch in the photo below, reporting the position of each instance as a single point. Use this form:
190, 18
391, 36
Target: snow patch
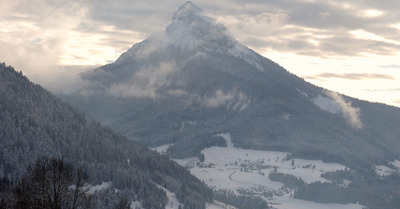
383, 171
103, 185
326, 104
396, 164
242, 52
185, 42
228, 139
162, 149
302, 92
213, 206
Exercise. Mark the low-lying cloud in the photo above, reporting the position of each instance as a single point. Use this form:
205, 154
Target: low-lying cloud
219, 98
233, 99
351, 114
146, 82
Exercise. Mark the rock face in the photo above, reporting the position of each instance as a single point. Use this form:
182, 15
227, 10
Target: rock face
185, 85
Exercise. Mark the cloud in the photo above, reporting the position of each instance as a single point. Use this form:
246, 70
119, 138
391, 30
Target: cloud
351, 114
325, 23
32, 36
50, 41
218, 99
146, 82
128, 90
351, 76
88, 32
235, 99
390, 66
249, 21
384, 90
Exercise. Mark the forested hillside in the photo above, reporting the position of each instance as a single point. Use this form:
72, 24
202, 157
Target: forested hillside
34, 123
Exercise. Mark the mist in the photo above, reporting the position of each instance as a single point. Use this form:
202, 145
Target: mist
351, 114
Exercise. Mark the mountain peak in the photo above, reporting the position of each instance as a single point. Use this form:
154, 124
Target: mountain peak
188, 12
192, 28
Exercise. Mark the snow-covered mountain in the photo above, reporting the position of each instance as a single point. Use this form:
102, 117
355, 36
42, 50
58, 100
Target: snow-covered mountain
193, 80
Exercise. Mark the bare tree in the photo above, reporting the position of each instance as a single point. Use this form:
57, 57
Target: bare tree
80, 197
50, 184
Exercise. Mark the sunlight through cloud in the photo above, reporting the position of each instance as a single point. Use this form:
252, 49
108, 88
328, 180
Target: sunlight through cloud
371, 13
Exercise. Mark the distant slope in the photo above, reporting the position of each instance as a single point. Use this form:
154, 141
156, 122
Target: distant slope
34, 123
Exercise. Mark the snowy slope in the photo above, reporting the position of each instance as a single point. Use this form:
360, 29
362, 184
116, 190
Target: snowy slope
327, 104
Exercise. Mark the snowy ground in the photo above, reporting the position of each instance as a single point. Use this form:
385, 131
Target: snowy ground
213, 206
289, 203
396, 164
161, 149
103, 185
246, 171
383, 170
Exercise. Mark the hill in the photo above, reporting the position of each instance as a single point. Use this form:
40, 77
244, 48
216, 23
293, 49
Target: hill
34, 123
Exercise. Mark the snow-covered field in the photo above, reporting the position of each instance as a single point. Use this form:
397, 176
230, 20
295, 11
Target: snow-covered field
290, 203
383, 170
243, 170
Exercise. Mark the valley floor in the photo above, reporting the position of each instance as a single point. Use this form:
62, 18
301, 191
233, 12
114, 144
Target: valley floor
245, 172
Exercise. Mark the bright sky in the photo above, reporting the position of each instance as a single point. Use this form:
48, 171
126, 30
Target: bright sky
349, 46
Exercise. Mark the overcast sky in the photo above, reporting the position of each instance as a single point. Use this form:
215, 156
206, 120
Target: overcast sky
349, 46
